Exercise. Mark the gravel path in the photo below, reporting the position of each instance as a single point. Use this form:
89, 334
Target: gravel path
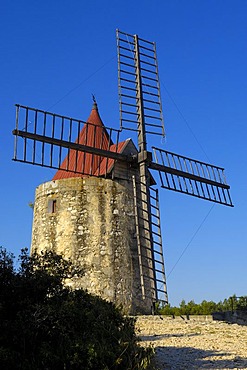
198, 343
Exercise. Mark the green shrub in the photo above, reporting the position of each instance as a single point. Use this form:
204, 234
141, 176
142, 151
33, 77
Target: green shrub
205, 307
44, 325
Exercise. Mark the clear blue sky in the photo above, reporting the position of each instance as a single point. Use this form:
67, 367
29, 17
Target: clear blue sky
54, 54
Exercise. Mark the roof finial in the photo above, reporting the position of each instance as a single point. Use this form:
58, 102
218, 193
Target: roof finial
94, 102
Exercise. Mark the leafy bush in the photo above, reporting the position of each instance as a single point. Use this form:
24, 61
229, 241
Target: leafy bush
45, 325
205, 307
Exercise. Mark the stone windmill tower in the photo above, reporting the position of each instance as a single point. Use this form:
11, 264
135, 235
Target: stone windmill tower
89, 218
101, 208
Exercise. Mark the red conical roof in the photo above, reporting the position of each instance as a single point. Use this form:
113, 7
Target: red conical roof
93, 134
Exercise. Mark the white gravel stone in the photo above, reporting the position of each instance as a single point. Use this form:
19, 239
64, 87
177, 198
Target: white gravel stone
194, 344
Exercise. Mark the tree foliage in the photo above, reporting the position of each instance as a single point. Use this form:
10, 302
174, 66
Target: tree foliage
205, 307
45, 325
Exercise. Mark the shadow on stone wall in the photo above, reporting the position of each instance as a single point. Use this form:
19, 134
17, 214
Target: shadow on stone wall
232, 317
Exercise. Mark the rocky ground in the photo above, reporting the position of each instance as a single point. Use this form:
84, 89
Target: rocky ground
197, 343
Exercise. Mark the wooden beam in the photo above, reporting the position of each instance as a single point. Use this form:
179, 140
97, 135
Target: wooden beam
187, 175
74, 146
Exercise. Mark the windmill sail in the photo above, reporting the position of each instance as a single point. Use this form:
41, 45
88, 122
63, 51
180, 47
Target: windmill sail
65, 143
138, 83
159, 264
192, 177
141, 111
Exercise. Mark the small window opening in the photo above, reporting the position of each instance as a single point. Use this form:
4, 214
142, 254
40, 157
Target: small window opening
52, 205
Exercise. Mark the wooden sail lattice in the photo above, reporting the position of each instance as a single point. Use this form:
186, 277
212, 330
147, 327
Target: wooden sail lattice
137, 64
48, 139
159, 263
192, 177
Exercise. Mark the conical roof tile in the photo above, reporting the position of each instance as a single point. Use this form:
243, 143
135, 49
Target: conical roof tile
93, 134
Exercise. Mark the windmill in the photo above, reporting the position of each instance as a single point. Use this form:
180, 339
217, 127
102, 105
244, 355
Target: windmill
91, 150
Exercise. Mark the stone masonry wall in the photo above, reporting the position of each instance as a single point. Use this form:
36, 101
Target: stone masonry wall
91, 222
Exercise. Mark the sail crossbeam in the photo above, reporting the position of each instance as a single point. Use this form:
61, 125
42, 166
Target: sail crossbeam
192, 177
